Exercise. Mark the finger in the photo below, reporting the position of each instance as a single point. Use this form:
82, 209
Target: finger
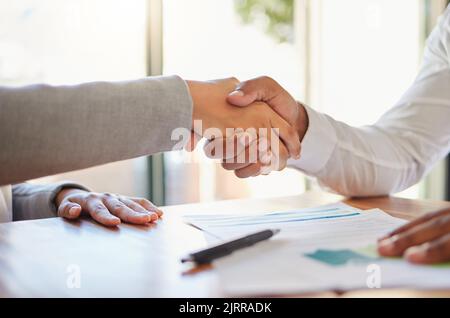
193, 141
257, 89
229, 147
234, 165
69, 210
249, 171
279, 160
276, 157
149, 206
425, 232
287, 134
98, 211
119, 209
430, 253
416, 222
222, 148
138, 208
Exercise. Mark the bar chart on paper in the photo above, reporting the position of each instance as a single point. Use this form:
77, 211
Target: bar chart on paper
229, 225
342, 257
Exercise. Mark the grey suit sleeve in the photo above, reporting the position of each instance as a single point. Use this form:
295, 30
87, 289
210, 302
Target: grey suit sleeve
32, 201
46, 130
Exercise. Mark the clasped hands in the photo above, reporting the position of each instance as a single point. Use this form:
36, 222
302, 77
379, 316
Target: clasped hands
254, 127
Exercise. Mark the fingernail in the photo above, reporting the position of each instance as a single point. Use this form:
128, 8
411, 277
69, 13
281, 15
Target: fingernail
386, 246
415, 253
73, 211
237, 93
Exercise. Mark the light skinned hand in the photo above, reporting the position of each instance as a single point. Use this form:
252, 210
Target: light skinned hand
425, 240
211, 107
267, 90
105, 208
267, 161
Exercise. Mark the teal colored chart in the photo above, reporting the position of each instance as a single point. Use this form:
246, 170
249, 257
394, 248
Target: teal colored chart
341, 257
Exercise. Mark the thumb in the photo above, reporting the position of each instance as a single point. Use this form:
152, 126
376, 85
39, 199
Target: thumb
261, 88
69, 210
239, 97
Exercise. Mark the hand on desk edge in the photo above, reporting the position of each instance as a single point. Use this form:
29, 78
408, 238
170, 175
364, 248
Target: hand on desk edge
106, 208
425, 240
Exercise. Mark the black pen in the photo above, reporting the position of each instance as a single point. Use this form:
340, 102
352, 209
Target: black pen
206, 256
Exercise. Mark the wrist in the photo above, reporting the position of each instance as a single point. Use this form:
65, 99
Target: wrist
200, 111
302, 121
209, 102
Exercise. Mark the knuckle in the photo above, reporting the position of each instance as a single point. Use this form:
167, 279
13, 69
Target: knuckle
266, 78
439, 213
141, 200
117, 206
98, 208
440, 223
92, 196
234, 79
402, 241
122, 210
433, 250
145, 202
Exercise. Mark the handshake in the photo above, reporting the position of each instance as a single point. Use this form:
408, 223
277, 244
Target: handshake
254, 127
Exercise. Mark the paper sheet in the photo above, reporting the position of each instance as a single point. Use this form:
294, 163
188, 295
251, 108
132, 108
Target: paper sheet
326, 248
226, 226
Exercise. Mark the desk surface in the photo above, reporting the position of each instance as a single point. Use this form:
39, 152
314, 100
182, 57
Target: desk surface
43, 257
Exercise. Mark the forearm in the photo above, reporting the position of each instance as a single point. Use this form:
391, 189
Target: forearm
32, 201
47, 130
384, 158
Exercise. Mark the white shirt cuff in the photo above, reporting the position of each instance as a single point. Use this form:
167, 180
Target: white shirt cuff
317, 144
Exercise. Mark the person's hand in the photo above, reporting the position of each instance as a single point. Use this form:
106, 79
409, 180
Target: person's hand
425, 240
217, 115
266, 160
107, 209
269, 91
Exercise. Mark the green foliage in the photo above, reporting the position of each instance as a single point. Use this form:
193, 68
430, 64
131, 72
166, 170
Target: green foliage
275, 17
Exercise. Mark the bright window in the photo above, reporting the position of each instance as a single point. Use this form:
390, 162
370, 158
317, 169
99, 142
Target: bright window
359, 57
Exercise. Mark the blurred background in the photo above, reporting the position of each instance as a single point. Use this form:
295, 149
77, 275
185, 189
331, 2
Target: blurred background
349, 58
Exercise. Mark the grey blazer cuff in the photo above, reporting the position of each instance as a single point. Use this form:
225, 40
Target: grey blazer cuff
31, 201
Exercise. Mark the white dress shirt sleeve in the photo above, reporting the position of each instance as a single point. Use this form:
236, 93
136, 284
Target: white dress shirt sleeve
401, 147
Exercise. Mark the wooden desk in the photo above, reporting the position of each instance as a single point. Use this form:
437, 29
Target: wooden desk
37, 258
